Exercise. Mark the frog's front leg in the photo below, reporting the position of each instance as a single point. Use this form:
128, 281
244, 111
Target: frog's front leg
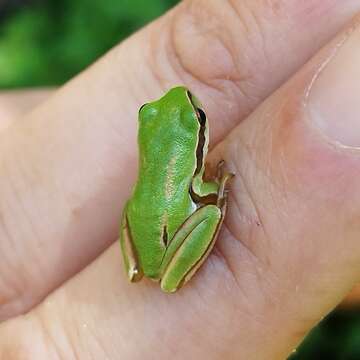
190, 247
132, 266
222, 178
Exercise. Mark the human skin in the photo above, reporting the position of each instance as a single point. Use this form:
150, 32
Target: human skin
289, 249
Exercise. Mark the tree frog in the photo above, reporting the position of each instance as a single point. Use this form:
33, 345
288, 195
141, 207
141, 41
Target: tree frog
170, 223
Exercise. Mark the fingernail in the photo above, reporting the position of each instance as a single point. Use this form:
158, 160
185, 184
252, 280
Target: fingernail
334, 98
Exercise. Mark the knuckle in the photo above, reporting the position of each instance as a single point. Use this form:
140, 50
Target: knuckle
208, 52
13, 295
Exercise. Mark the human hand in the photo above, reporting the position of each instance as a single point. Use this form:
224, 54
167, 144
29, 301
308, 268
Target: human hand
289, 250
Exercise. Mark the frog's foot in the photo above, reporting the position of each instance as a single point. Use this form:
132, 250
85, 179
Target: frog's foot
132, 265
222, 178
190, 247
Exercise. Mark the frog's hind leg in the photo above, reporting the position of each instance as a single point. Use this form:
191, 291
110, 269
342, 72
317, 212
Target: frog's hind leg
190, 247
132, 266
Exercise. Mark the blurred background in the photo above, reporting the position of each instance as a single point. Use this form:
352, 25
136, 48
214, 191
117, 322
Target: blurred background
46, 42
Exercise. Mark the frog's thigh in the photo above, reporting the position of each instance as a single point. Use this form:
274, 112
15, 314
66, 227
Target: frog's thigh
190, 247
130, 259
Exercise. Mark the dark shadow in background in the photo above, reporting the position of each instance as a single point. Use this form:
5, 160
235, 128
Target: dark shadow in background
7, 6
336, 338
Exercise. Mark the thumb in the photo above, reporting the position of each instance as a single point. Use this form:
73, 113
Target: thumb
295, 208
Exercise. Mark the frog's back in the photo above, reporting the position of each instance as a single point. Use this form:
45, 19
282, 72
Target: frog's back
161, 198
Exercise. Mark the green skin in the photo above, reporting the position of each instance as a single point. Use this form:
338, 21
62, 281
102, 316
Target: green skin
171, 222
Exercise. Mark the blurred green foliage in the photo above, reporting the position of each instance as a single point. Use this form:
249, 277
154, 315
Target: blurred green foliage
337, 337
47, 42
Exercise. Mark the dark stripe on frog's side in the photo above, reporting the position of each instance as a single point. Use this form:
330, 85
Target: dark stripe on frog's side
165, 237
201, 117
200, 147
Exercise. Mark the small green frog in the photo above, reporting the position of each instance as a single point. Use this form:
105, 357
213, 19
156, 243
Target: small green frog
171, 222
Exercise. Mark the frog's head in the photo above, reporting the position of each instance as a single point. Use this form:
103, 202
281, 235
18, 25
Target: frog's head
175, 116
192, 118
180, 97
177, 101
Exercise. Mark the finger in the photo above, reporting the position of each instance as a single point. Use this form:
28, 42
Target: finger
352, 300
298, 198
288, 255
63, 187
14, 104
